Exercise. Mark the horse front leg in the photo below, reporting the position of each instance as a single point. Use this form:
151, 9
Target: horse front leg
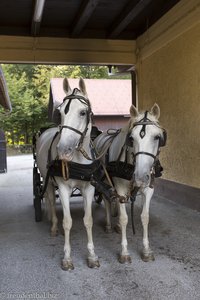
88, 195
147, 253
123, 221
65, 194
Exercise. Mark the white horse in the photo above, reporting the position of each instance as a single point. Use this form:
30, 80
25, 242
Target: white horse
138, 145
65, 144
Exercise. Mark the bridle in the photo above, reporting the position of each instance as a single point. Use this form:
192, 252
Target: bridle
89, 114
145, 122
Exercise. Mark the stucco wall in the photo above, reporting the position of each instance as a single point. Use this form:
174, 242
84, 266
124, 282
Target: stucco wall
171, 77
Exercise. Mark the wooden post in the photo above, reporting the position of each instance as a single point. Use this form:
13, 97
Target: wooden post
133, 88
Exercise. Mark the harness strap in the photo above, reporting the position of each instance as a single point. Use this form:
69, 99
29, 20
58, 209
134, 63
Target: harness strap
49, 151
71, 128
145, 153
143, 130
65, 171
45, 184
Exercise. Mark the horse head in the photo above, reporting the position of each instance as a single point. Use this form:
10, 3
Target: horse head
75, 124
147, 137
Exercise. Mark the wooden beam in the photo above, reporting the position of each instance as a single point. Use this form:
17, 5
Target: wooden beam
15, 49
128, 15
134, 88
83, 16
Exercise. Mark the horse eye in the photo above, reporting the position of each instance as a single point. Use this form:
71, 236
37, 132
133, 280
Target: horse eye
82, 113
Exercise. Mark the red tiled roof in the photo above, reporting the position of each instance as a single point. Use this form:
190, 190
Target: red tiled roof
107, 96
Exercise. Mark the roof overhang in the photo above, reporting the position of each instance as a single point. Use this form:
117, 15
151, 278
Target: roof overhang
45, 50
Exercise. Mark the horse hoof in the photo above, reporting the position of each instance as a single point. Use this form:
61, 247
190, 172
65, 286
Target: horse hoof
108, 229
124, 259
93, 264
146, 257
118, 228
67, 265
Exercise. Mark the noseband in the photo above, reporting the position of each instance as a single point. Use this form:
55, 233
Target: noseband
89, 112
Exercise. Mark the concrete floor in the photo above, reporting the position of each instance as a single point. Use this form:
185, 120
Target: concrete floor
30, 258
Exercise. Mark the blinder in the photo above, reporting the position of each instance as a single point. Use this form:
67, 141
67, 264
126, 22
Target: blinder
129, 140
163, 139
56, 116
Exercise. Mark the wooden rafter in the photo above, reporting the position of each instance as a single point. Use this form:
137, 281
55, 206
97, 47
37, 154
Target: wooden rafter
127, 16
83, 16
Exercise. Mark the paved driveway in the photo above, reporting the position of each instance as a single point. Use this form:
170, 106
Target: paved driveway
30, 258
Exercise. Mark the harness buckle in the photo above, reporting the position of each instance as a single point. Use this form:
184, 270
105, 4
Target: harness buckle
65, 170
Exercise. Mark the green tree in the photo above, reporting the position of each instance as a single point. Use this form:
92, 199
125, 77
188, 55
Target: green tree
28, 111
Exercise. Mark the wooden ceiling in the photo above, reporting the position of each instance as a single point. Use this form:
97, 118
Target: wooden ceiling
93, 19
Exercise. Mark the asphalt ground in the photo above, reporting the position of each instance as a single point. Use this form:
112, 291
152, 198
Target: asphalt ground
30, 258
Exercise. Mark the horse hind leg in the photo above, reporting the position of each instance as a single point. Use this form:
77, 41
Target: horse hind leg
108, 227
50, 198
92, 260
147, 253
111, 211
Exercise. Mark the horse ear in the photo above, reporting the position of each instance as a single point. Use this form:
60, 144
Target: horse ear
155, 111
133, 111
82, 86
66, 86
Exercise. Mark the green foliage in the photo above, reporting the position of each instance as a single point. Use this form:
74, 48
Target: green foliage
28, 87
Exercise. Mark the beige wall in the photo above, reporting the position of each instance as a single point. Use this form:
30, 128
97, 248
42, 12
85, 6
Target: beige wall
170, 76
